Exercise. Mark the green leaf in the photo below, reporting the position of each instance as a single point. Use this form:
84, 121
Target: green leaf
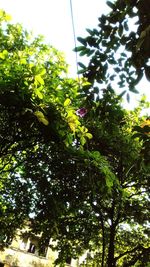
43, 71
110, 4
109, 181
83, 53
128, 97
3, 54
23, 61
8, 17
133, 90
40, 116
67, 102
38, 93
96, 154
123, 54
39, 79
122, 94
82, 140
120, 30
82, 41
79, 48
90, 31
89, 135
126, 26
82, 65
90, 52
81, 71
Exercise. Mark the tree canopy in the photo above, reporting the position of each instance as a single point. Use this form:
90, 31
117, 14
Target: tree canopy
38, 104
73, 161
118, 49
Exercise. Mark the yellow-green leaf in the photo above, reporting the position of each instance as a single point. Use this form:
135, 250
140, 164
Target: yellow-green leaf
2, 56
8, 17
89, 135
23, 61
67, 102
44, 121
40, 116
72, 126
43, 71
82, 140
38, 93
39, 79
72, 123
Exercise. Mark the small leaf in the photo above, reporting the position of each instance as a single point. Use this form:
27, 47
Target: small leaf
83, 53
123, 54
82, 40
110, 4
90, 32
39, 94
43, 71
8, 17
90, 52
126, 26
128, 97
23, 61
39, 79
120, 30
72, 126
72, 122
122, 94
82, 140
82, 65
89, 135
109, 181
67, 102
133, 90
78, 48
81, 71
5, 52
40, 116
2, 56
96, 154
44, 121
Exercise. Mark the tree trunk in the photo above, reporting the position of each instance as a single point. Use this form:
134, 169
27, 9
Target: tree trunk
111, 260
103, 240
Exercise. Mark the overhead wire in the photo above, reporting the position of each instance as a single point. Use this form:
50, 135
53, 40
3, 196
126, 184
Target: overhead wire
75, 44
74, 37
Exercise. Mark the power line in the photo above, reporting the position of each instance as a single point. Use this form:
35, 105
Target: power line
74, 34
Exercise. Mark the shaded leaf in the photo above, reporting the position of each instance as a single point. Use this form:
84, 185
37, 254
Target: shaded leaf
82, 41
128, 97
110, 4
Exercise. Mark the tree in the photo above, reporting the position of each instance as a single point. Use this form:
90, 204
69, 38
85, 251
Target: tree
84, 192
108, 217
118, 49
38, 105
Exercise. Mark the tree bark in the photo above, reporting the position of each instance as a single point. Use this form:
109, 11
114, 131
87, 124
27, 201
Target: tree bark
103, 240
111, 259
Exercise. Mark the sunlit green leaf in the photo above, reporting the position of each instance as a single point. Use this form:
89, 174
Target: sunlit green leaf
67, 102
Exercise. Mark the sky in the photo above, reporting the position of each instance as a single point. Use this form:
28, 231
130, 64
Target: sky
52, 18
